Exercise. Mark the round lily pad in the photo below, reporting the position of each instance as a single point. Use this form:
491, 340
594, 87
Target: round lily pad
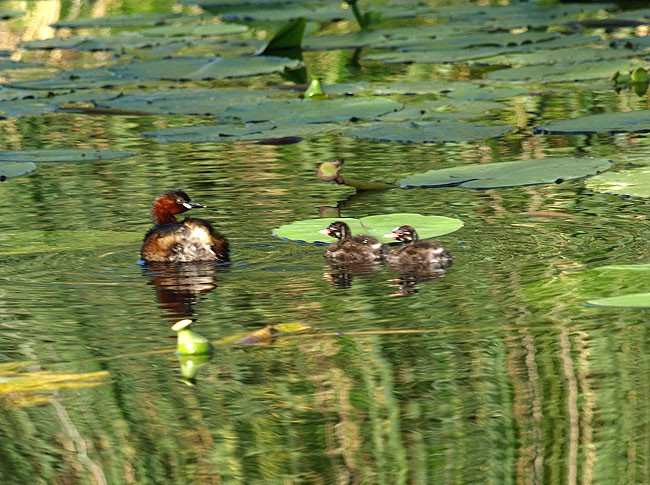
377, 226
76, 79
634, 300
61, 155
509, 174
428, 131
632, 183
15, 169
204, 68
630, 121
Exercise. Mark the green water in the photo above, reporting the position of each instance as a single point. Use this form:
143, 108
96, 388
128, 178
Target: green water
495, 373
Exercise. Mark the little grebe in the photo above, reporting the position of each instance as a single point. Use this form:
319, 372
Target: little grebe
415, 255
170, 241
351, 249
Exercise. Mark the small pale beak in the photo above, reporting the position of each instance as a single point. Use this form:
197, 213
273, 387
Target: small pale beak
391, 235
325, 231
192, 205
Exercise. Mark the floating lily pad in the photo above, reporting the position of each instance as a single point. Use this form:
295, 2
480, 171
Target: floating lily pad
347, 41
185, 101
61, 155
127, 20
117, 42
206, 30
428, 131
15, 169
631, 121
427, 227
314, 111
230, 132
634, 300
76, 79
631, 183
509, 174
562, 72
204, 68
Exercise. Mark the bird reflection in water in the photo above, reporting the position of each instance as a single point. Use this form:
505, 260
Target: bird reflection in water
409, 283
341, 275
180, 286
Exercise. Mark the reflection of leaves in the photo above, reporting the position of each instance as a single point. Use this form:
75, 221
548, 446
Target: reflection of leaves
20, 388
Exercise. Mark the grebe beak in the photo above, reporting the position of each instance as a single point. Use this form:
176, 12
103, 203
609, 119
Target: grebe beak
391, 235
192, 205
327, 232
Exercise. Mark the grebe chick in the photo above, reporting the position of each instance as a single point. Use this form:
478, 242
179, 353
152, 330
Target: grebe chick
415, 255
170, 241
351, 249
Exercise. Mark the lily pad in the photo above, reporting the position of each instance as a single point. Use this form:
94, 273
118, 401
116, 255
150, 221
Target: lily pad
230, 132
377, 226
127, 20
61, 155
15, 169
634, 300
441, 130
76, 79
630, 183
204, 68
206, 30
347, 41
509, 174
626, 122
117, 42
314, 111
562, 72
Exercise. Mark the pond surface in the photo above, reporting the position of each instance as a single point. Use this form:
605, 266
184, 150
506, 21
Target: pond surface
496, 372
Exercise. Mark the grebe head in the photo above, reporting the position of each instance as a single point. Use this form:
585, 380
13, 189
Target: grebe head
170, 203
338, 229
405, 234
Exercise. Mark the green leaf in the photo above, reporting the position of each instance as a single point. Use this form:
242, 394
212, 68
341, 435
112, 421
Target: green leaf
569, 72
630, 121
509, 174
428, 131
205, 30
288, 37
634, 300
378, 225
230, 132
15, 169
61, 155
132, 20
204, 68
76, 79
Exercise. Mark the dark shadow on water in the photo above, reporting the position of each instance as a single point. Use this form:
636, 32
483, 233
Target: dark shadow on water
180, 286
